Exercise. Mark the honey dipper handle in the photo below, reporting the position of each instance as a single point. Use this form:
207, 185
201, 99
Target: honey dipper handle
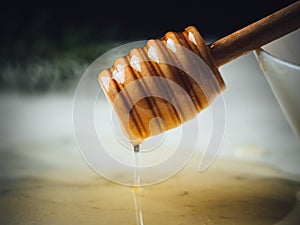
256, 34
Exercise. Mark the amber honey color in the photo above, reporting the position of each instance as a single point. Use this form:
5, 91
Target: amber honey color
229, 192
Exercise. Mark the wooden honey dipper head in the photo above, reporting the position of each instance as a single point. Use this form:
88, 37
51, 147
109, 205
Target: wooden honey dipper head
171, 79
162, 85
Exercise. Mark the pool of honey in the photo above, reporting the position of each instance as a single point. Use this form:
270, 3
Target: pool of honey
229, 192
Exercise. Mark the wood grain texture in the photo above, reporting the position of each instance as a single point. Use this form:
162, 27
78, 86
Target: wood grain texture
256, 34
173, 95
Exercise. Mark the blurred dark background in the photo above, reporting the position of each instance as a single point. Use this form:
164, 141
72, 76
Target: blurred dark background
48, 45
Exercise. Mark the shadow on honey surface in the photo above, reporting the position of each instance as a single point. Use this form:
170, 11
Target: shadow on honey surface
229, 192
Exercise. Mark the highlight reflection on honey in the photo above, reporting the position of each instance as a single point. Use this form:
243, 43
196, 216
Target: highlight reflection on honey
230, 192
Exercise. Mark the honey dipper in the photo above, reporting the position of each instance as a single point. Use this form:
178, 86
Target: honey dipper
163, 66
